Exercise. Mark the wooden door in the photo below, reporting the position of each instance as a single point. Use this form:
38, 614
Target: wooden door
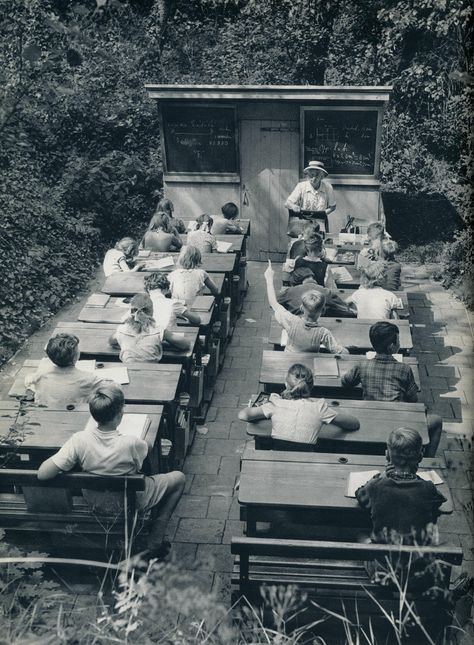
269, 171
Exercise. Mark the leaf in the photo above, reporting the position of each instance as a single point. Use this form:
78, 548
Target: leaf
31, 52
73, 57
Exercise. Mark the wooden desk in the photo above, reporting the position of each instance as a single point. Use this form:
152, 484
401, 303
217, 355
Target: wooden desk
112, 312
275, 366
237, 241
377, 420
313, 486
352, 332
128, 284
150, 383
44, 430
354, 283
211, 262
94, 342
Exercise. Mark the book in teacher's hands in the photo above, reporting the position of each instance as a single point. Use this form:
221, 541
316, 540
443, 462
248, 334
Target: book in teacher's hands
133, 425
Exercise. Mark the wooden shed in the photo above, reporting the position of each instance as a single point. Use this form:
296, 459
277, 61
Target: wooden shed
249, 145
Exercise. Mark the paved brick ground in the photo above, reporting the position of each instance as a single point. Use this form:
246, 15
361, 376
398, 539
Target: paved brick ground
208, 515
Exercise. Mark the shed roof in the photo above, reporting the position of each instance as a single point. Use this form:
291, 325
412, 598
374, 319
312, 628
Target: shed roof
270, 92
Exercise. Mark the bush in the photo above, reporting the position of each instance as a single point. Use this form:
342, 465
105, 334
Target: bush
457, 271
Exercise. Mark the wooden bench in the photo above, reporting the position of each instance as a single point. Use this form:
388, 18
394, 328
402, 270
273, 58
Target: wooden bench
334, 577
57, 509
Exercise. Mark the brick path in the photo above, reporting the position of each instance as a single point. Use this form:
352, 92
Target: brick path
208, 515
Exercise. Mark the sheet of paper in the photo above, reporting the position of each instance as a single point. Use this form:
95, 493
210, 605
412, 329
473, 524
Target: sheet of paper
223, 247
97, 300
162, 263
430, 476
358, 479
118, 374
331, 254
397, 357
341, 274
134, 425
326, 366
144, 253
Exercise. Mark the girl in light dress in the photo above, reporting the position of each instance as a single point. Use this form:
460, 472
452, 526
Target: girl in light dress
189, 280
120, 257
202, 237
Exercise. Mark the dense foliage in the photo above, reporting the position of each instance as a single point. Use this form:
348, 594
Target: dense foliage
79, 144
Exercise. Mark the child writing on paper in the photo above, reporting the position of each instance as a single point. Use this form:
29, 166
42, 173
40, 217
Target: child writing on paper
102, 450
61, 383
304, 332
166, 310
296, 417
201, 237
385, 379
370, 300
189, 280
161, 236
404, 508
139, 338
119, 258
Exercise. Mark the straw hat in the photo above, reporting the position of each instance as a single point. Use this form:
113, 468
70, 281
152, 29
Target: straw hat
316, 165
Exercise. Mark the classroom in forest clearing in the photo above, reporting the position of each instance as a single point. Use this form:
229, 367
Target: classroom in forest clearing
341, 470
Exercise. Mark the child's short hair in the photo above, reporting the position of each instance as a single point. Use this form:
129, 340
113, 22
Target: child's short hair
62, 349
156, 280
375, 230
314, 245
300, 382
389, 249
382, 335
165, 206
373, 275
106, 401
230, 210
310, 230
128, 245
204, 221
313, 302
189, 257
405, 448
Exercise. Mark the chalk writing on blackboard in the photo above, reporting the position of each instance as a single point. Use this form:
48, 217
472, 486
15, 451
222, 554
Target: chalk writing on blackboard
200, 139
344, 140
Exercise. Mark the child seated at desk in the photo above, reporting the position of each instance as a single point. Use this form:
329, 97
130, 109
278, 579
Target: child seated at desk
161, 236
224, 223
102, 450
383, 378
166, 206
313, 260
297, 418
290, 297
393, 268
189, 280
166, 310
304, 333
370, 300
139, 338
119, 258
60, 382
202, 237
404, 508
375, 234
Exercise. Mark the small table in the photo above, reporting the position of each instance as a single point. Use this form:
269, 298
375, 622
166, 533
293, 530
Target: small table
349, 332
377, 420
44, 430
311, 485
114, 311
275, 366
128, 284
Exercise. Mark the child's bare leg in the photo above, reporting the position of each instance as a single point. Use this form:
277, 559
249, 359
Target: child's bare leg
165, 509
435, 427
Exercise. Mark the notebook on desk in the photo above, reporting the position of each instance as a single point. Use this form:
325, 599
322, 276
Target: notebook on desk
118, 374
325, 366
97, 300
341, 274
223, 247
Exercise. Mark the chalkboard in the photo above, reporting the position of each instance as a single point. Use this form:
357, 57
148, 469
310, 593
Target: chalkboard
200, 139
344, 140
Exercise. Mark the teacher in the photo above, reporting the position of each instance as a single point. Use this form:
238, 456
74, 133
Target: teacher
311, 200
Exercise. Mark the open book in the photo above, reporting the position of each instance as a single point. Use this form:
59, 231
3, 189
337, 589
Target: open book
162, 263
358, 479
223, 247
134, 425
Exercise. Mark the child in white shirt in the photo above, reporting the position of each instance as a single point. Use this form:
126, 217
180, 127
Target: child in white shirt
117, 259
370, 300
166, 310
189, 280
